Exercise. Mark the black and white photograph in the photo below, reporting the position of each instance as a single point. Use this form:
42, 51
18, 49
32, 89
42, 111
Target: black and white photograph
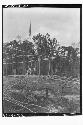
41, 60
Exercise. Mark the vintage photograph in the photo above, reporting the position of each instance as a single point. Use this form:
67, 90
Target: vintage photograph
41, 67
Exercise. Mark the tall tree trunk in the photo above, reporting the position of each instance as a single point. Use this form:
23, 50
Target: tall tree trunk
46, 92
52, 72
23, 68
12, 66
6, 68
39, 64
23, 64
12, 69
49, 67
31, 67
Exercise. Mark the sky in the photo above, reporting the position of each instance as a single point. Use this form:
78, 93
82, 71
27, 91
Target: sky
61, 23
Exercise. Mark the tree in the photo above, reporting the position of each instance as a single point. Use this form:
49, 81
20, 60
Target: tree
70, 56
27, 53
53, 45
16, 53
41, 47
45, 48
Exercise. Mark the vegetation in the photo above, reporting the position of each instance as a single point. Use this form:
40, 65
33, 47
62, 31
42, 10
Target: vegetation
29, 94
43, 53
54, 83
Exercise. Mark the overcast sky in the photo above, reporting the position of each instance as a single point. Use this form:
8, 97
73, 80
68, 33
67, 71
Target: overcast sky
62, 23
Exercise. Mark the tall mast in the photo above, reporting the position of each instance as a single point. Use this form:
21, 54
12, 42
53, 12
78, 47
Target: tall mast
30, 30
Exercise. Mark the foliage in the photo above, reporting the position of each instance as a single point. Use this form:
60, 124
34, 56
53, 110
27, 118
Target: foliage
43, 53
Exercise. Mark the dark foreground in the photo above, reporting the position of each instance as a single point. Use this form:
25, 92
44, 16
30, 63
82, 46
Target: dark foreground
41, 94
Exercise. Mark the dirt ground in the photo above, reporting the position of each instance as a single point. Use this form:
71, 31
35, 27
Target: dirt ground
41, 94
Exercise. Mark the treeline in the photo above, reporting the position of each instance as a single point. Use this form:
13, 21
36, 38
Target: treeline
44, 56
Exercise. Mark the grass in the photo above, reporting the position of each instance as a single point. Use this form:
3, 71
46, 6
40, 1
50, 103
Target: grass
28, 94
